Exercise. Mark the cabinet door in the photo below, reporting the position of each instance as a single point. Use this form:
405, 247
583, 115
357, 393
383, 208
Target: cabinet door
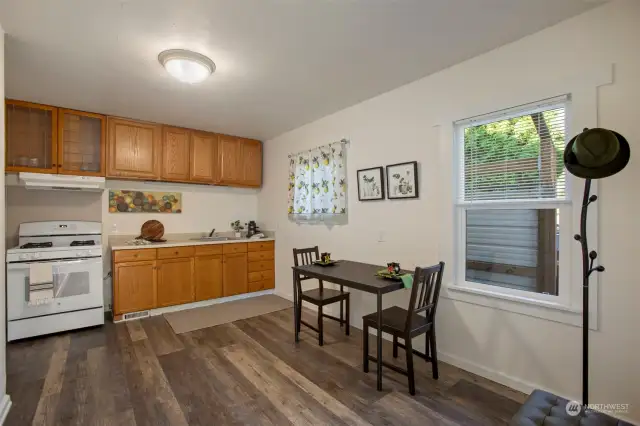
175, 153
204, 149
251, 162
175, 281
208, 277
234, 274
81, 143
133, 149
32, 137
134, 287
230, 159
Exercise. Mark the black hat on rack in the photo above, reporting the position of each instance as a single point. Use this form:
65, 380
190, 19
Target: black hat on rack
596, 153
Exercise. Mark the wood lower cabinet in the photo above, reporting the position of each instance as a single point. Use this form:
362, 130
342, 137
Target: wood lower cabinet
175, 153
175, 281
148, 278
208, 277
234, 274
134, 286
134, 149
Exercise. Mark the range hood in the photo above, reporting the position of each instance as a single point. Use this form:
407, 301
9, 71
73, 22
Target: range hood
61, 182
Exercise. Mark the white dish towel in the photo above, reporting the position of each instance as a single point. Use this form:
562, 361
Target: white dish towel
40, 284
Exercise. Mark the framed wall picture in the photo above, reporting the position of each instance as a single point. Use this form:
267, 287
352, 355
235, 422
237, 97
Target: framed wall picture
371, 184
402, 180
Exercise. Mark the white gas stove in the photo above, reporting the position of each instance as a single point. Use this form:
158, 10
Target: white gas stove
54, 278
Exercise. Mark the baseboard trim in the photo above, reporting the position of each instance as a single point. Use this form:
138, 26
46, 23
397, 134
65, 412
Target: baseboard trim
5, 406
160, 311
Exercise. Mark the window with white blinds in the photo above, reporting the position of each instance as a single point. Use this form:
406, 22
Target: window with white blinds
514, 154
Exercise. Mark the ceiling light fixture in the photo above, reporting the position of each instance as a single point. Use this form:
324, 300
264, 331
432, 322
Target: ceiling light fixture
187, 66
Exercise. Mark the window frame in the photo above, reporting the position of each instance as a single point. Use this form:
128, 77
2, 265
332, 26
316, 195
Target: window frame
569, 292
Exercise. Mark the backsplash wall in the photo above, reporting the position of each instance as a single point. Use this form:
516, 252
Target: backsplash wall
37, 205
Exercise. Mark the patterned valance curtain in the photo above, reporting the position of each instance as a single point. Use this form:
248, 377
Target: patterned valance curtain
318, 184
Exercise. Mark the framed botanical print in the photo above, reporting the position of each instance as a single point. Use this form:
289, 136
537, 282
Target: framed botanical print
402, 180
370, 184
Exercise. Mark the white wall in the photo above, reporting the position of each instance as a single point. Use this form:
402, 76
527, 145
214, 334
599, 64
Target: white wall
5, 402
414, 122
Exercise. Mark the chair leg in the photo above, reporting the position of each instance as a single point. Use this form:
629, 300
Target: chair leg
347, 314
395, 346
320, 337
434, 353
365, 348
410, 375
299, 319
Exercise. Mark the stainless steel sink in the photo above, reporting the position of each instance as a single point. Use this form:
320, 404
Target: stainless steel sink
211, 239
217, 238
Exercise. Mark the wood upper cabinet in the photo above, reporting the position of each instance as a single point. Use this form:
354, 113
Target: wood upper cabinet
134, 286
81, 143
240, 161
31, 137
208, 277
203, 156
234, 274
133, 149
230, 159
175, 281
175, 153
251, 162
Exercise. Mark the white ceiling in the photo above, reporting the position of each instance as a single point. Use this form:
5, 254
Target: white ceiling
280, 63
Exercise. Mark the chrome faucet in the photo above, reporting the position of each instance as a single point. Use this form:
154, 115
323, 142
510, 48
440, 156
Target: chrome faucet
212, 231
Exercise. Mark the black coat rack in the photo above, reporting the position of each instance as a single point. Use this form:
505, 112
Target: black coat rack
588, 257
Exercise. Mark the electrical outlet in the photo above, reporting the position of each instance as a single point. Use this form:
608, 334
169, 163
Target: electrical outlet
381, 237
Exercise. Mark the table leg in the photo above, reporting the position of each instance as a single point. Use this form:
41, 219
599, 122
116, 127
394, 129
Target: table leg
379, 363
295, 306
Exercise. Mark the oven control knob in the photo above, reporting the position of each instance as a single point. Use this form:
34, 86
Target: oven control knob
36, 255
24, 257
81, 254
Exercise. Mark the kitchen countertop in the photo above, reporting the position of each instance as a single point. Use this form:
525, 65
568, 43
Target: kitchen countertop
119, 242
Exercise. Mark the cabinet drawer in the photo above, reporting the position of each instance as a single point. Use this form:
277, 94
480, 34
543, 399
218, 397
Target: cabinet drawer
260, 255
174, 252
261, 245
261, 285
234, 248
133, 255
210, 249
260, 275
262, 265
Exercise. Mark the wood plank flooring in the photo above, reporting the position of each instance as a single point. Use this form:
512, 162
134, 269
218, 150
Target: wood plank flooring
245, 373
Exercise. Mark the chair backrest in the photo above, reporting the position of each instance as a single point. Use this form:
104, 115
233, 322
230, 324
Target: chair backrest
425, 292
305, 256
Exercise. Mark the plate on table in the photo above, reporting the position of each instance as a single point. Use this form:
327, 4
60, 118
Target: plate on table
389, 275
321, 263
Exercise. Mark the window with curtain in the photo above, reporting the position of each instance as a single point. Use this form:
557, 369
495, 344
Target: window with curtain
512, 200
318, 184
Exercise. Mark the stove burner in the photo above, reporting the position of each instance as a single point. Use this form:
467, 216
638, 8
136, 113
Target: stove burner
83, 243
36, 245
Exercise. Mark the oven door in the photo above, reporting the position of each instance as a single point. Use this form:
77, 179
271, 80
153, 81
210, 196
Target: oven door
77, 285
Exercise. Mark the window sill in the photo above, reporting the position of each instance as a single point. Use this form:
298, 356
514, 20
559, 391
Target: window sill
521, 305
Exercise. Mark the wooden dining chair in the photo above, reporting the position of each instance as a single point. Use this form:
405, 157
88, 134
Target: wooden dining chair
407, 324
319, 296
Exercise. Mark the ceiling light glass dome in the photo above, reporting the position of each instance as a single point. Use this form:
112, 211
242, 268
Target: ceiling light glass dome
187, 66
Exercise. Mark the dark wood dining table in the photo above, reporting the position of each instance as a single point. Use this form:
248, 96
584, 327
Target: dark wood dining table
356, 275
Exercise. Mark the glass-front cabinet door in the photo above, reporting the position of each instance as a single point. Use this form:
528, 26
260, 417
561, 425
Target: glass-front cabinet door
31, 137
81, 143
